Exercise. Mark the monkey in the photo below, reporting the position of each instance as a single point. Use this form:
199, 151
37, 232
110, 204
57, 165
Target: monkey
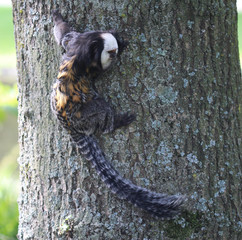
84, 113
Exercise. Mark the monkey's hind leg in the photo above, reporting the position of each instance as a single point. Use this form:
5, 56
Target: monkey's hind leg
121, 120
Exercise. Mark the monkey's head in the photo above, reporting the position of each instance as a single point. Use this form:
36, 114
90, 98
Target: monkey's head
94, 51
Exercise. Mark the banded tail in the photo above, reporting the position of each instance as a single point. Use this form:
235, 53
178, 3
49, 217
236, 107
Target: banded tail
160, 205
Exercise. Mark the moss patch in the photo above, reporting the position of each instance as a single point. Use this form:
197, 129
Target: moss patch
183, 227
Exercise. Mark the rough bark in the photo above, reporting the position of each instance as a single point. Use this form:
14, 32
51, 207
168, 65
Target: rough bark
181, 75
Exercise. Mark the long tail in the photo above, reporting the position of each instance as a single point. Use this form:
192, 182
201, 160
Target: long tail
158, 204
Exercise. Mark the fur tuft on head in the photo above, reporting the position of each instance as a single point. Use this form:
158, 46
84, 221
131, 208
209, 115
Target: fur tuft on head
61, 28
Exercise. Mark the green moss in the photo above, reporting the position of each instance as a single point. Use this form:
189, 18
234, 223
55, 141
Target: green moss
66, 226
182, 228
123, 15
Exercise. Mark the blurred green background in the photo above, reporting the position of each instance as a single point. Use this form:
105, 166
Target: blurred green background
9, 184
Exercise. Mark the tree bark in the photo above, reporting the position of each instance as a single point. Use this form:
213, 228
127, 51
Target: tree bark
181, 75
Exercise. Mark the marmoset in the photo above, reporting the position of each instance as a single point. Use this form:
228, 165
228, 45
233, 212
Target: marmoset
84, 113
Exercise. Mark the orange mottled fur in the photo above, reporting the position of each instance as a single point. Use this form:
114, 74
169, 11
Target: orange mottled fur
69, 89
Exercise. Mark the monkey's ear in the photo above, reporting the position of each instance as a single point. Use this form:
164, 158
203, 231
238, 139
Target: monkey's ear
122, 44
61, 28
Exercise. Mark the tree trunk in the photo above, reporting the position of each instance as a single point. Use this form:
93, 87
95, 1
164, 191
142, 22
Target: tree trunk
181, 75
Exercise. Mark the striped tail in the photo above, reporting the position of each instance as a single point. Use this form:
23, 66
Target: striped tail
160, 205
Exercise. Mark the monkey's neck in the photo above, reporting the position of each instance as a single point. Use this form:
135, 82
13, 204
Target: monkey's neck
67, 70
70, 81
71, 88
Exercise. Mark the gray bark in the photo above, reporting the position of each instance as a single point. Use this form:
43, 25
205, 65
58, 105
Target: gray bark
181, 75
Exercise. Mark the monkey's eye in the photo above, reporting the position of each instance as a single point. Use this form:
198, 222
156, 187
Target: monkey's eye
112, 51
